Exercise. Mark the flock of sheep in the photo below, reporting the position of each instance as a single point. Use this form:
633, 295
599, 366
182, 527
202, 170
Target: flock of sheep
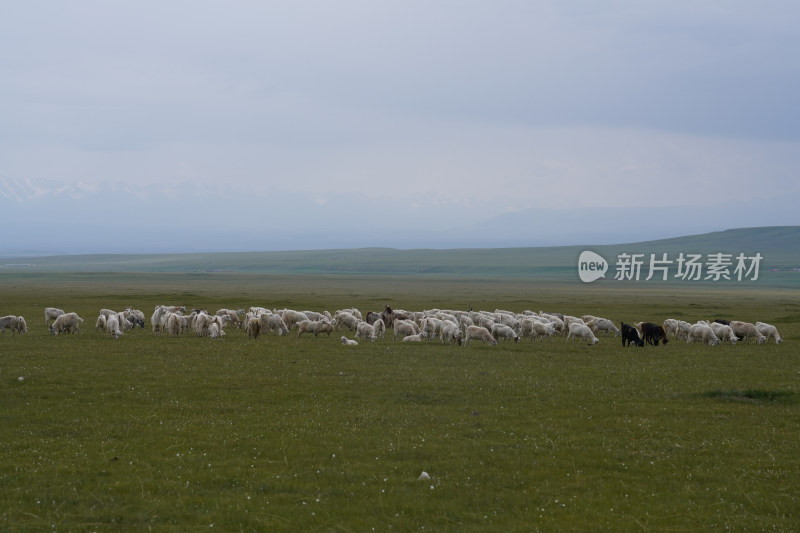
449, 326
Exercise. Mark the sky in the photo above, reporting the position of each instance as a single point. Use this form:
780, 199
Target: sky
178, 126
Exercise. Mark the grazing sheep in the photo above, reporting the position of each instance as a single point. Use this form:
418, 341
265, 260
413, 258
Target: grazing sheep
769, 331
253, 328
431, 327
502, 331
270, 322
366, 331
465, 321
156, 320
403, 328
535, 328
578, 330
100, 324
232, 314
480, 333
22, 326
12, 322
174, 324
215, 331
380, 327
112, 326
450, 333
51, 313
745, 330
723, 332
570, 320
314, 326
345, 319
135, 316
315, 315
703, 333
602, 324
66, 323
291, 317
201, 322
653, 333
630, 335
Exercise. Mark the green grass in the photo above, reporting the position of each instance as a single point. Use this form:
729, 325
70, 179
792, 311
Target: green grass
282, 433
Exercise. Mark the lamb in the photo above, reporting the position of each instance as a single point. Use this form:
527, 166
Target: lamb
101, 322
349, 342
366, 331
51, 313
66, 323
419, 337
745, 330
768, 330
502, 331
702, 333
578, 330
480, 333
314, 326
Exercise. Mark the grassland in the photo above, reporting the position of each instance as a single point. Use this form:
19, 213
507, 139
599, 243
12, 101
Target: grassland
281, 433
777, 245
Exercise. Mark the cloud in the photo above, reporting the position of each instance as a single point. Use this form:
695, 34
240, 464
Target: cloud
447, 109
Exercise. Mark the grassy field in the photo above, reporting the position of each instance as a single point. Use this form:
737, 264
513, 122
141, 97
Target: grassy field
281, 433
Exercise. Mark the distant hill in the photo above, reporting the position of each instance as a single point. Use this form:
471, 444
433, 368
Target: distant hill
779, 247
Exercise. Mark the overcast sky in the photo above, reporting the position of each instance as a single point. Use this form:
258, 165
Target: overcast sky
441, 110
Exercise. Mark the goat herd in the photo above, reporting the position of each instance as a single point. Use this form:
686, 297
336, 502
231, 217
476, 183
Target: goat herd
450, 326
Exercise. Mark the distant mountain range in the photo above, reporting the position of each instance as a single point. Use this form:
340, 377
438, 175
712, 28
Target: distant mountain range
57, 218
